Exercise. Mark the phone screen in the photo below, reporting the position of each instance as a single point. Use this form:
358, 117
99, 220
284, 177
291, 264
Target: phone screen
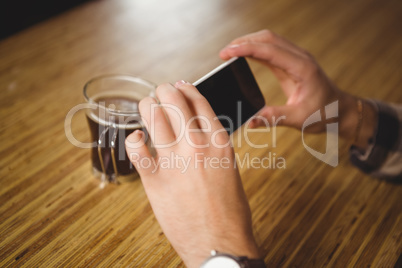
232, 92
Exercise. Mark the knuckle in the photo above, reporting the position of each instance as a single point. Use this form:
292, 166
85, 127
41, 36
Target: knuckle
162, 89
196, 142
222, 139
167, 93
197, 139
202, 102
270, 49
268, 34
310, 69
148, 99
145, 102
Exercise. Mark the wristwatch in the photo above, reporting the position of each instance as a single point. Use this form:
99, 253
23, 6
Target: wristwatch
223, 260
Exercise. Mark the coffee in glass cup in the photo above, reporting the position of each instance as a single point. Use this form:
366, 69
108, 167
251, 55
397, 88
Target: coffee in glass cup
112, 117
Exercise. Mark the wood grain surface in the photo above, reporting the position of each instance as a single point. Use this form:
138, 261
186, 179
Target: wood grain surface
306, 214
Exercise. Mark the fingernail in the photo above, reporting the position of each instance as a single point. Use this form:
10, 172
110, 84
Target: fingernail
233, 46
180, 83
135, 137
254, 122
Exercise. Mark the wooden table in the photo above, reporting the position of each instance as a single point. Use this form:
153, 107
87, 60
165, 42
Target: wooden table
53, 212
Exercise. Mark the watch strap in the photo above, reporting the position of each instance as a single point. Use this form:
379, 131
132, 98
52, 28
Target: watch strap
252, 263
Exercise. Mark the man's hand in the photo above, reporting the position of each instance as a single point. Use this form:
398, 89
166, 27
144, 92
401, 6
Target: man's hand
191, 180
305, 84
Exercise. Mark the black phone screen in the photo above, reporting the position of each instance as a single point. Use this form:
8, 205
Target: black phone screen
232, 92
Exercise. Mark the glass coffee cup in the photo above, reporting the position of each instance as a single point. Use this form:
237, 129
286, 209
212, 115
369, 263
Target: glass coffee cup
112, 117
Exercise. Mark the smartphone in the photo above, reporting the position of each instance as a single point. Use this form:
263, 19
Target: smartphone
232, 92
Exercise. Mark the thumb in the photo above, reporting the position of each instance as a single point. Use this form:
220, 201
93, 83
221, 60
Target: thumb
270, 116
138, 153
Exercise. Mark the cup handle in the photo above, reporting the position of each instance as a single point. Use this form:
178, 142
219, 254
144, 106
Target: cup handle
101, 141
113, 153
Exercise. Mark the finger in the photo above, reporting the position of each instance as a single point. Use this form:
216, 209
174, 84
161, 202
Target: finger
278, 57
211, 130
139, 154
267, 37
176, 108
276, 116
156, 123
283, 76
199, 105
